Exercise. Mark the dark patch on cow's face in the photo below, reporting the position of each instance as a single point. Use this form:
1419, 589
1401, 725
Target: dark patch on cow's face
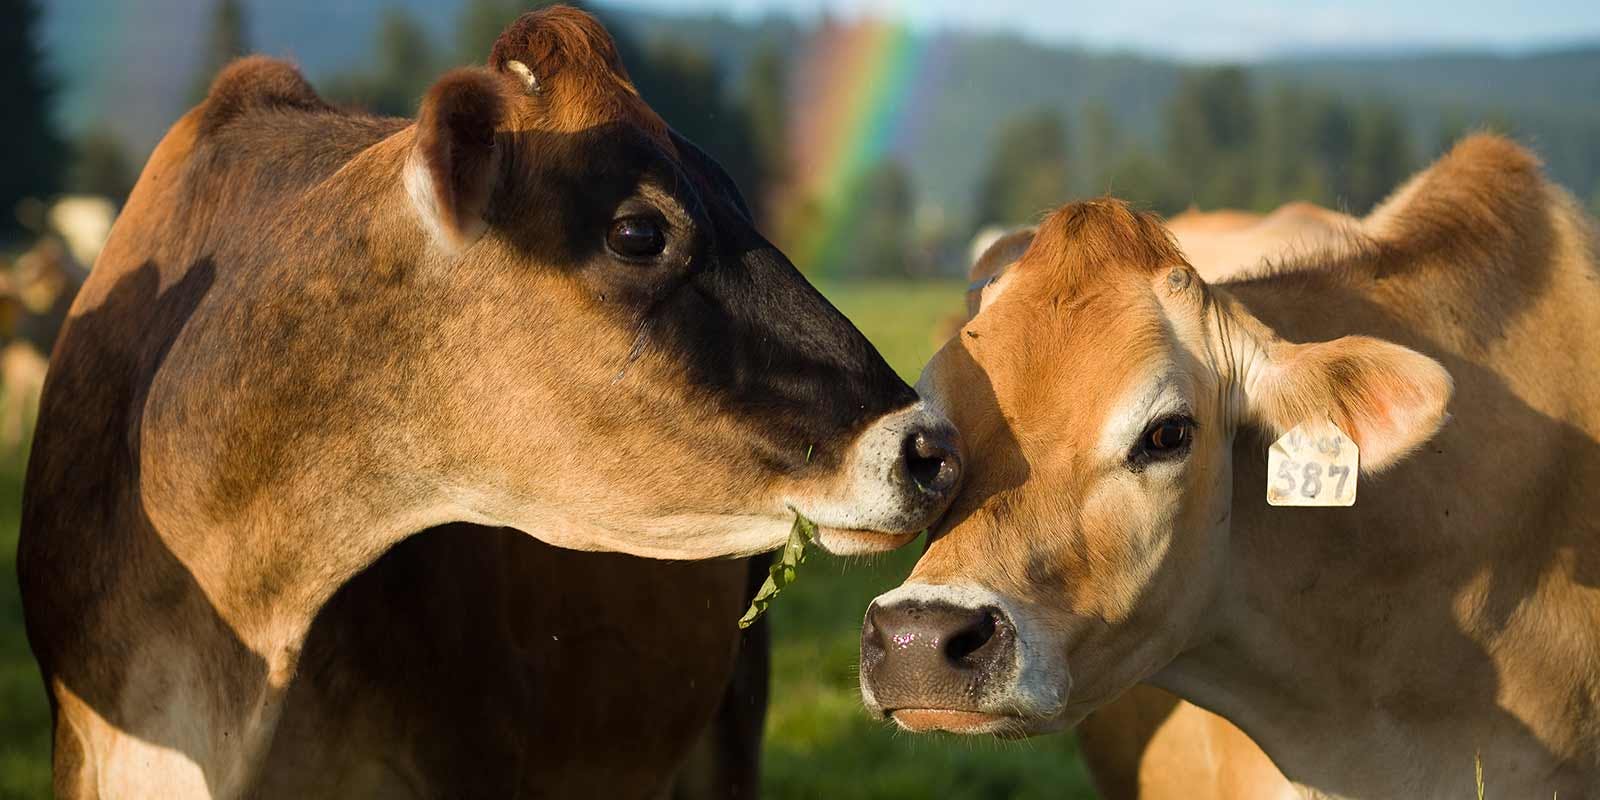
1044, 569
747, 332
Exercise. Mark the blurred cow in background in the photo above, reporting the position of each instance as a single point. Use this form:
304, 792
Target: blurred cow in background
1220, 244
35, 293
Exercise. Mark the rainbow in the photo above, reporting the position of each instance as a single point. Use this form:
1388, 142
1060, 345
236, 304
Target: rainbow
859, 92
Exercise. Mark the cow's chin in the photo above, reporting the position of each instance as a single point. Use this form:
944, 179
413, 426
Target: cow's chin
854, 542
966, 723
972, 723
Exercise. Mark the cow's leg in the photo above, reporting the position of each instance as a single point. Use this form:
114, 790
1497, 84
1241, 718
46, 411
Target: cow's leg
726, 762
1115, 738
173, 719
94, 758
1149, 745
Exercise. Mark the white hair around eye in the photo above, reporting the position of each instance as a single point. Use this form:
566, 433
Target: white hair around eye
1162, 396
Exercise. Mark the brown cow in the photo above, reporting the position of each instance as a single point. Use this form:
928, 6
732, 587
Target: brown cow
314, 334
1113, 529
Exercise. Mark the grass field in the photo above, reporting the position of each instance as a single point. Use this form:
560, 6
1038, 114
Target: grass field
820, 743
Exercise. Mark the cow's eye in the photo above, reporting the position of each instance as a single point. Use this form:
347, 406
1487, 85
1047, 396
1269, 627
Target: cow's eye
636, 238
1168, 437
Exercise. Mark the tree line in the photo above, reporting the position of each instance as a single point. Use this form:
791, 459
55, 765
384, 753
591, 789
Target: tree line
1224, 144
1225, 141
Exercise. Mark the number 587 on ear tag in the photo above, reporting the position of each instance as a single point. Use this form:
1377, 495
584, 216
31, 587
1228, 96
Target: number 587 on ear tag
1315, 464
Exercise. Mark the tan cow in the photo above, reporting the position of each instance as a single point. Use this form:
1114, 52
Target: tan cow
1221, 244
1113, 528
1149, 744
314, 334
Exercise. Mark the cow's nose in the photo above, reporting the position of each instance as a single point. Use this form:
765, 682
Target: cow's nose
931, 459
932, 654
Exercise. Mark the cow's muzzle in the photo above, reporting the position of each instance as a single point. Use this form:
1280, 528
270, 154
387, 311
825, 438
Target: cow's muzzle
902, 473
955, 658
928, 664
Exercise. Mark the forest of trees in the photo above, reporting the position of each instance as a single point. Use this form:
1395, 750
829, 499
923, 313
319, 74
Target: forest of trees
1227, 144
1225, 140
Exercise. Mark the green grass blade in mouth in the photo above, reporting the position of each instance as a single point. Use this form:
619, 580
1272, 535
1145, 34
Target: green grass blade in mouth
783, 572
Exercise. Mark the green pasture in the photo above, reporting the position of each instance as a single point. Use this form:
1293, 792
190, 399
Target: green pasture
820, 743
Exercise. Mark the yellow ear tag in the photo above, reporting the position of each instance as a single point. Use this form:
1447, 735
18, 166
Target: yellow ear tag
1315, 464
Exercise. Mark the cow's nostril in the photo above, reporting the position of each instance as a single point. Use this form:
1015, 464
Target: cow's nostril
932, 461
972, 638
935, 654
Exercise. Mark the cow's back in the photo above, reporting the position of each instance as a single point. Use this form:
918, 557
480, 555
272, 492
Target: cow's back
1221, 245
106, 599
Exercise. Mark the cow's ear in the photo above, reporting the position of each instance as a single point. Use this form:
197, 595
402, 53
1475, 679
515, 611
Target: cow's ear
1387, 398
989, 267
454, 163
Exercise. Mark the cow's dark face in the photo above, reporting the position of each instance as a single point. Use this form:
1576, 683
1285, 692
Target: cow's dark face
637, 369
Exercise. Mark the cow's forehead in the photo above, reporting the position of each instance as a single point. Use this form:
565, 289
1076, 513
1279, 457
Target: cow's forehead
1057, 368
1086, 245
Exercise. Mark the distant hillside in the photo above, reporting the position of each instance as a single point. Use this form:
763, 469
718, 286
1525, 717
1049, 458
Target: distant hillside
136, 82
1550, 99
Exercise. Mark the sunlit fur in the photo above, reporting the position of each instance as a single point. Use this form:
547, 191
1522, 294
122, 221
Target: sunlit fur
315, 333
1372, 652
1224, 244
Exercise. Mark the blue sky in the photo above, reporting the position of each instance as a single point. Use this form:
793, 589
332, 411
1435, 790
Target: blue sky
1229, 29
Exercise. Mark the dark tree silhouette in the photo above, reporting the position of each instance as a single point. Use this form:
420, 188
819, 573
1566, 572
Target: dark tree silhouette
34, 151
100, 166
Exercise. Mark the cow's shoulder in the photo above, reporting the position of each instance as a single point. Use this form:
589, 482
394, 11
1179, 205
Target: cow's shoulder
1480, 203
253, 84
1484, 216
263, 134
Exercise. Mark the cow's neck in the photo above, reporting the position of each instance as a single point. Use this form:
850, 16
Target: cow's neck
1378, 650
209, 681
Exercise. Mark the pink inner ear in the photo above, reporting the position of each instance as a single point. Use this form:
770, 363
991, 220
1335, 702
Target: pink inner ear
1386, 397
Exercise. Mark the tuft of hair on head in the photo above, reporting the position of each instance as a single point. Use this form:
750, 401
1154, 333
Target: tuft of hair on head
1089, 238
257, 83
558, 39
